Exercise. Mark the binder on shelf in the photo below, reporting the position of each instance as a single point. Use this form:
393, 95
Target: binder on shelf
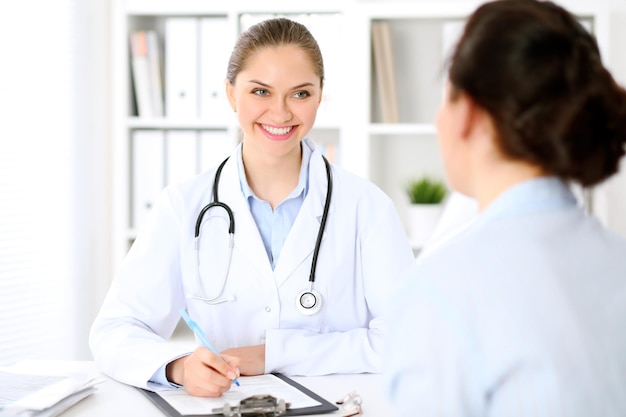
181, 67
147, 172
384, 68
214, 55
215, 146
141, 73
181, 155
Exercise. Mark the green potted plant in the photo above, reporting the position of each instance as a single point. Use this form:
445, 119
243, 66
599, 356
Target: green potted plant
426, 190
426, 195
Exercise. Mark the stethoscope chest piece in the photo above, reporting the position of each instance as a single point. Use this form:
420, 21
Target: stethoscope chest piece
309, 301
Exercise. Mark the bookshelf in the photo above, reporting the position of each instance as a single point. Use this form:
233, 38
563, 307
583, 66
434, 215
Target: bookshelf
350, 118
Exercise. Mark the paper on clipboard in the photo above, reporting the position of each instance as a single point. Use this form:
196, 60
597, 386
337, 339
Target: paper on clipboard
179, 403
186, 404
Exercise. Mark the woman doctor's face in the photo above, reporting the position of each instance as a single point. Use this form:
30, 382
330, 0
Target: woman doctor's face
276, 97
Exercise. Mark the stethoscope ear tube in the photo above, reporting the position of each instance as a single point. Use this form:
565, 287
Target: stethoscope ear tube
216, 203
231, 218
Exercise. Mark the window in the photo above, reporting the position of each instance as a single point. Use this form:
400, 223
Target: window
37, 181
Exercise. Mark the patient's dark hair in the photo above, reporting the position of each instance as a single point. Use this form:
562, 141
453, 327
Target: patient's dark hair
539, 74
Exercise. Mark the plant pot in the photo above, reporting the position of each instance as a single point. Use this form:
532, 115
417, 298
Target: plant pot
422, 220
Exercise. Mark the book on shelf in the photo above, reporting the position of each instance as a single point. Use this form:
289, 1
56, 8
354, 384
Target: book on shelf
146, 73
384, 68
156, 80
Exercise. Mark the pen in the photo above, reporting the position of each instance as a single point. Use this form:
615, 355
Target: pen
200, 334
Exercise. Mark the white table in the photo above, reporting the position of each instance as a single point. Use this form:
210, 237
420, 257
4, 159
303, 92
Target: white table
116, 399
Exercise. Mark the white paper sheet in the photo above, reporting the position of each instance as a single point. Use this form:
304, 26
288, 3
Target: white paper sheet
27, 394
268, 384
14, 387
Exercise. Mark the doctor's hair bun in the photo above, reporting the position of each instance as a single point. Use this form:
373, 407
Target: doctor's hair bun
539, 74
274, 32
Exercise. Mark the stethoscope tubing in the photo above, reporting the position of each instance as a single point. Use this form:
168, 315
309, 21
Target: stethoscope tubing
231, 231
320, 232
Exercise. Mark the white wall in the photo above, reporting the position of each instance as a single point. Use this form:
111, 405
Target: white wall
53, 214
92, 95
613, 193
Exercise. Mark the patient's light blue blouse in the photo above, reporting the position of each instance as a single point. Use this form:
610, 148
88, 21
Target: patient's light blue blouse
524, 314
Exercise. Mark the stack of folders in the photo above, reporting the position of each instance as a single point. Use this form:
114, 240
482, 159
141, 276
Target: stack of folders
28, 395
196, 58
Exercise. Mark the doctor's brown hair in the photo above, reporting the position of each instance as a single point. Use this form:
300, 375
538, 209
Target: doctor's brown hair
534, 68
273, 33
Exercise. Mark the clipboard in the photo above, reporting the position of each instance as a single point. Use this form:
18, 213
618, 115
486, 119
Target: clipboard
324, 407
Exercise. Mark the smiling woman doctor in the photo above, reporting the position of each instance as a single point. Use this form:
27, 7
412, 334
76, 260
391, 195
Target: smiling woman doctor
301, 288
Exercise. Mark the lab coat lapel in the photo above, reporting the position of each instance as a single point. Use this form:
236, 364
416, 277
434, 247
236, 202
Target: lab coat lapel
300, 241
248, 240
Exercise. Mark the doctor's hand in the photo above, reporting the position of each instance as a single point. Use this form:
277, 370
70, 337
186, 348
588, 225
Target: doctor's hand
203, 373
251, 359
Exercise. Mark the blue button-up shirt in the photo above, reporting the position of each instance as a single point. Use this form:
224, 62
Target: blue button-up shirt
274, 225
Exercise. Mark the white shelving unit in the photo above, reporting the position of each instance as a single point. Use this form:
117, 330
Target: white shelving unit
389, 154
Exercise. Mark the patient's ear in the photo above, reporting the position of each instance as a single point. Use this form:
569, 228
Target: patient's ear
466, 108
474, 120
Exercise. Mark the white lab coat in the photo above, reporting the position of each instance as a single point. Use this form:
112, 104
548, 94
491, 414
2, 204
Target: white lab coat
363, 251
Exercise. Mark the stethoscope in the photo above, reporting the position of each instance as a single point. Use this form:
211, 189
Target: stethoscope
309, 300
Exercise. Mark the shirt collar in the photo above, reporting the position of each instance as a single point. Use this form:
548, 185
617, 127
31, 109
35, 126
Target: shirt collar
303, 183
544, 193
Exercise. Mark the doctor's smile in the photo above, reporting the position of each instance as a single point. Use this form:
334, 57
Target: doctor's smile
278, 133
